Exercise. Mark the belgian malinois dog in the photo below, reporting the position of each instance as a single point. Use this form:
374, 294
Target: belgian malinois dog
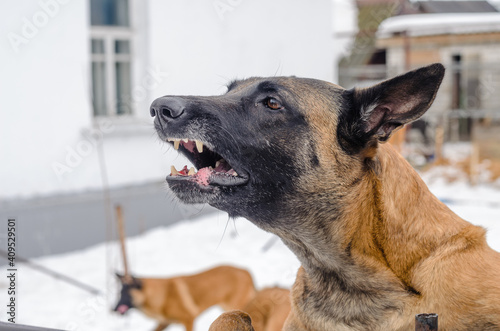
305, 160
181, 299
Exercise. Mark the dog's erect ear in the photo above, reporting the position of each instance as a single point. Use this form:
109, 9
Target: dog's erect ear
397, 101
129, 280
120, 276
137, 283
375, 112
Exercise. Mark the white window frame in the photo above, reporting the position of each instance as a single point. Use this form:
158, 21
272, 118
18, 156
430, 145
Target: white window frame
110, 34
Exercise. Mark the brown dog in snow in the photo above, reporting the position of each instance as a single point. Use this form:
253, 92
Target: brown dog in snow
181, 299
304, 159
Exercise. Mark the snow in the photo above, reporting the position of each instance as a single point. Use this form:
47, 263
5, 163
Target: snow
434, 24
186, 247
190, 247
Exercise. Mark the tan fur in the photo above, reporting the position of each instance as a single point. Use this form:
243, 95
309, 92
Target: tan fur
433, 250
398, 139
269, 309
181, 299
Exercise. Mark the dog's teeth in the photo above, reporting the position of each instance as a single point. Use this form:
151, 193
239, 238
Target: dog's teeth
191, 171
170, 139
199, 146
186, 140
235, 174
219, 162
173, 171
176, 144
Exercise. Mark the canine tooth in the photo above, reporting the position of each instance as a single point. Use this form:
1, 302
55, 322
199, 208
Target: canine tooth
185, 140
217, 164
199, 146
191, 171
176, 144
173, 171
235, 174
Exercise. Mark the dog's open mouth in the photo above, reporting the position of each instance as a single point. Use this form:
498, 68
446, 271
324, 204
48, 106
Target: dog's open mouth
122, 309
210, 168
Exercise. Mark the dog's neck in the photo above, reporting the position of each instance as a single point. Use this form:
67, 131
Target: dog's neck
408, 222
376, 226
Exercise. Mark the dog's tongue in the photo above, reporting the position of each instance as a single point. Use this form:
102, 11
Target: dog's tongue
222, 174
122, 309
202, 176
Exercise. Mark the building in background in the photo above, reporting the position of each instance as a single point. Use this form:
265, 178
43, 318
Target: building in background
366, 61
468, 45
77, 81
397, 35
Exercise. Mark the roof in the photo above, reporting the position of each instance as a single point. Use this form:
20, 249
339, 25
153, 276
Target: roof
436, 24
455, 7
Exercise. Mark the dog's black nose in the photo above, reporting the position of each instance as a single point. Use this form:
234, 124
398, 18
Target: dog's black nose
168, 107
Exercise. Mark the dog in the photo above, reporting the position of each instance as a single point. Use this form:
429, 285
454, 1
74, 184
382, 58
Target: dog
269, 309
306, 160
181, 299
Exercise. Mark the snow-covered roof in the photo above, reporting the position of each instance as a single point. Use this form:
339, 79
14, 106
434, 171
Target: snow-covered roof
435, 24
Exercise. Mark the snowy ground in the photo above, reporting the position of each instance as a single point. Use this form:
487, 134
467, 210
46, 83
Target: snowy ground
189, 247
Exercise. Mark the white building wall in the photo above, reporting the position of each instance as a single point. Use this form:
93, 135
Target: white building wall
204, 44
48, 141
180, 48
45, 100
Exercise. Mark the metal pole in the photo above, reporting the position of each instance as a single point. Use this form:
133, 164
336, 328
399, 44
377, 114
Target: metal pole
426, 322
407, 48
269, 243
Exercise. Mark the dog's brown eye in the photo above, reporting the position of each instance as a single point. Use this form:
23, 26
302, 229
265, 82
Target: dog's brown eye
273, 104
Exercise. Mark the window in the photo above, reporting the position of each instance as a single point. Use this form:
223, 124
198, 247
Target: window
465, 84
111, 42
109, 13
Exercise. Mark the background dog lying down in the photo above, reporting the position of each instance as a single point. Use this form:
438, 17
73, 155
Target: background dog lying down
267, 311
